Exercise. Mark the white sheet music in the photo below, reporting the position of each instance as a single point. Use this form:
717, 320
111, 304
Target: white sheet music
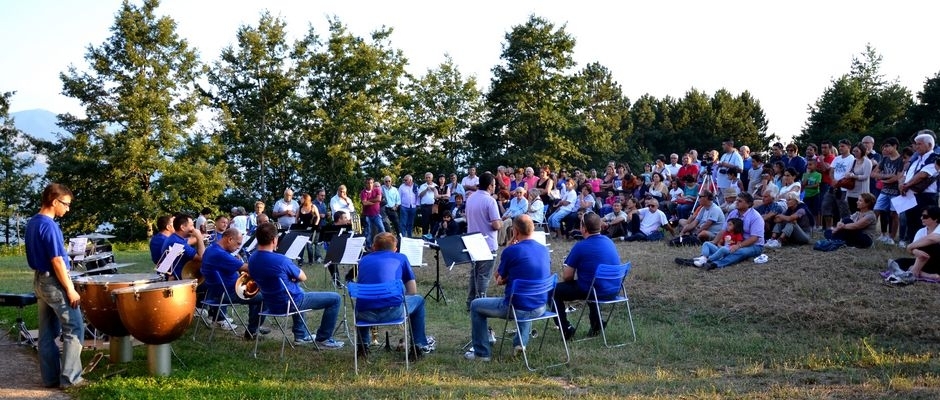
477, 247
172, 254
414, 250
293, 252
353, 249
251, 246
78, 245
905, 202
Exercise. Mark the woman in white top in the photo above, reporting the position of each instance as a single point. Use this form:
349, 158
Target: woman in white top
861, 171
790, 184
925, 248
536, 207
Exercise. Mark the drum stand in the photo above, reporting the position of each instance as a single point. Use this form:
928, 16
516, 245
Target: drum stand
437, 279
20, 329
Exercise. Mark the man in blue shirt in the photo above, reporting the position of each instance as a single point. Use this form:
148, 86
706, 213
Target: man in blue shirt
186, 234
218, 262
269, 269
165, 225
524, 259
56, 297
383, 265
581, 263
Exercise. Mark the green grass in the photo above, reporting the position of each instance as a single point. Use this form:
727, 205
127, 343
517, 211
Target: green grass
805, 325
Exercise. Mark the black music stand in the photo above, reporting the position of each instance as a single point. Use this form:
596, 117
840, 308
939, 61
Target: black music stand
334, 255
284, 243
453, 249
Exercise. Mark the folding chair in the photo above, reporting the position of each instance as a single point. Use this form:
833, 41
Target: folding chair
379, 291
224, 300
610, 274
290, 310
529, 288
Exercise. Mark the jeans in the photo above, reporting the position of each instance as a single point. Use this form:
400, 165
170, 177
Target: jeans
407, 222
415, 304
55, 316
479, 280
329, 302
913, 214
554, 220
254, 307
393, 222
568, 291
493, 307
793, 232
374, 226
642, 237
743, 253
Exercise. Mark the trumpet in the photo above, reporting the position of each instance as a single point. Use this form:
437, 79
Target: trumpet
245, 287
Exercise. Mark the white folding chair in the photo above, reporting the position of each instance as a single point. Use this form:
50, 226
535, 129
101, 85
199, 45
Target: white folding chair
224, 300
608, 275
290, 310
533, 288
394, 290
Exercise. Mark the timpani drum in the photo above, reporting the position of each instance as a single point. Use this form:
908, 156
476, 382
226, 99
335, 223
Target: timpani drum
157, 313
97, 303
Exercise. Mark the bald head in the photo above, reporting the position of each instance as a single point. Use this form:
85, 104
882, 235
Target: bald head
523, 226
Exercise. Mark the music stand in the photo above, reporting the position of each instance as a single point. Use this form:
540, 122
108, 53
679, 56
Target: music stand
344, 250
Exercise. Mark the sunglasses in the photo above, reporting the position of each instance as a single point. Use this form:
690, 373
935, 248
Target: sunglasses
922, 216
652, 206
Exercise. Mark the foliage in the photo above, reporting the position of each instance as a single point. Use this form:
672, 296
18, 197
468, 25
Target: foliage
926, 112
16, 185
129, 159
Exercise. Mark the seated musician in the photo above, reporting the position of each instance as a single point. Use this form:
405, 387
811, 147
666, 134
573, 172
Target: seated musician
221, 224
269, 269
383, 265
218, 262
527, 259
165, 226
186, 234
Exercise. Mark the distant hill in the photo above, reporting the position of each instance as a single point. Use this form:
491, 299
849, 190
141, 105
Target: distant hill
38, 123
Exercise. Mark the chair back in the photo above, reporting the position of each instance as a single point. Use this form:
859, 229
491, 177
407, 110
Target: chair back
531, 287
291, 306
392, 290
609, 276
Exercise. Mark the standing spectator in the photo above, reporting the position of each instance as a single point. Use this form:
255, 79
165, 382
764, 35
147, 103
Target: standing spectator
868, 143
794, 160
834, 206
861, 172
812, 180
921, 167
371, 197
824, 166
286, 209
483, 217
342, 202
409, 204
391, 201
471, 182
889, 172
427, 192
745, 153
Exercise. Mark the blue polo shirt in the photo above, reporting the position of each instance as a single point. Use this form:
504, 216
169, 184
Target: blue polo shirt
529, 260
266, 267
382, 267
586, 255
188, 252
214, 260
44, 241
156, 246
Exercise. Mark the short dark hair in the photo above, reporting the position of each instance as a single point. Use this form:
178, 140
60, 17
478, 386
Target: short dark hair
206, 210
179, 220
53, 192
707, 194
933, 212
163, 221
747, 198
266, 233
845, 142
792, 172
592, 223
891, 141
486, 180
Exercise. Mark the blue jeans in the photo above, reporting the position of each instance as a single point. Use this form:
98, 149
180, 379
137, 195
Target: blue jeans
55, 315
329, 302
642, 237
554, 220
374, 226
479, 279
415, 304
254, 307
493, 307
406, 222
709, 248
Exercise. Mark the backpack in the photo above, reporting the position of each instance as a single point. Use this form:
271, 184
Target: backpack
829, 245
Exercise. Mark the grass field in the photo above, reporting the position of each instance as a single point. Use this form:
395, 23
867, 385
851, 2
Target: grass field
804, 325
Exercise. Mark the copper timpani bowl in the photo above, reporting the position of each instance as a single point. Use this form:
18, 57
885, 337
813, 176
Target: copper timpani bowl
97, 303
157, 313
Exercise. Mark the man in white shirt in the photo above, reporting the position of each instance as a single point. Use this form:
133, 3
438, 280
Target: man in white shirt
923, 167
651, 219
342, 202
729, 159
392, 201
834, 203
286, 209
427, 193
672, 169
470, 182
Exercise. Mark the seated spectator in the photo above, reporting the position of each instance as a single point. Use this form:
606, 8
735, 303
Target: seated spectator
728, 195
647, 222
857, 229
536, 209
675, 195
794, 226
732, 235
684, 204
707, 222
752, 245
567, 205
790, 184
925, 248
769, 209
614, 224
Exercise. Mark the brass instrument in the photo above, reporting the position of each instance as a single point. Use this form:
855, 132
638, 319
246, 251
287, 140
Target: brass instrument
192, 271
246, 287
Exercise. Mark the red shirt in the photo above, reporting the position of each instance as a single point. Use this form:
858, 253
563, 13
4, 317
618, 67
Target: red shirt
688, 169
371, 195
826, 174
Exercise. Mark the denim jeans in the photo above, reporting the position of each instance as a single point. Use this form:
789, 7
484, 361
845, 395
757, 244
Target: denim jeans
493, 307
554, 220
568, 291
743, 253
55, 315
374, 226
407, 221
329, 302
415, 304
254, 307
479, 279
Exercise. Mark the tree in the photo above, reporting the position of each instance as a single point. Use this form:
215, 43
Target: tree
926, 112
531, 107
253, 85
126, 159
16, 185
603, 116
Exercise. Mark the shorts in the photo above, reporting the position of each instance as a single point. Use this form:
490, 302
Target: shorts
814, 203
883, 203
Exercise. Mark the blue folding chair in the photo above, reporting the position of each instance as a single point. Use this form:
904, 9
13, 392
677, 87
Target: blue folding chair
611, 275
532, 288
224, 300
290, 310
394, 290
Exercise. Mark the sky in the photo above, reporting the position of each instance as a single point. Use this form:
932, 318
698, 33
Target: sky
784, 53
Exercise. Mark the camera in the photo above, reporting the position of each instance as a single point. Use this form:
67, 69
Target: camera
722, 171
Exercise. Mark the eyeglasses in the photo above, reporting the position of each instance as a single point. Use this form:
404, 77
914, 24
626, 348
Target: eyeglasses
922, 216
66, 204
652, 206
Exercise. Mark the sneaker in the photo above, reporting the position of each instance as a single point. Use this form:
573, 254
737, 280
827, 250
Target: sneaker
517, 351
331, 344
569, 332
888, 241
264, 331
492, 335
699, 261
201, 312
304, 341
225, 325
622, 238
534, 334
894, 268
430, 347
902, 244
471, 356
772, 243
571, 309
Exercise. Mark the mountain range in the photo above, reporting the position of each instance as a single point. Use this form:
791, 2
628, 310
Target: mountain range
40, 124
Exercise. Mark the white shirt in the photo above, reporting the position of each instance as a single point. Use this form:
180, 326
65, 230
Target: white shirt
428, 197
733, 158
571, 197
241, 223
919, 166
285, 220
651, 221
344, 205
841, 166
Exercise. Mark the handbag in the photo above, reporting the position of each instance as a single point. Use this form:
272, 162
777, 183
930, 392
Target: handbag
846, 183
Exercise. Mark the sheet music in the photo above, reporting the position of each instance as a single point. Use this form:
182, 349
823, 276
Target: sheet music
477, 247
539, 236
172, 254
414, 250
905, 202
353, 249
293, 252
78, 245
245, 239
251, 246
